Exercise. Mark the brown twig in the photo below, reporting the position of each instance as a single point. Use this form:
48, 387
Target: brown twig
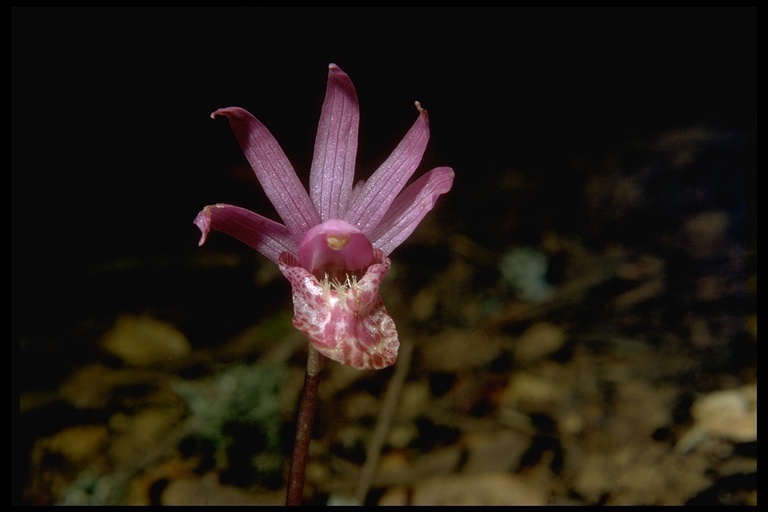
304, 421
386, 416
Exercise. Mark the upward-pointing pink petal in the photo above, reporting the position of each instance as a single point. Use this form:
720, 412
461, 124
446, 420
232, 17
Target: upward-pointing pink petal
369, 206
333, 164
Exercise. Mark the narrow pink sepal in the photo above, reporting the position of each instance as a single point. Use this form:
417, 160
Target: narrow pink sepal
273, 170
333, 163
410, 207
260, 233
371, 204
347, 323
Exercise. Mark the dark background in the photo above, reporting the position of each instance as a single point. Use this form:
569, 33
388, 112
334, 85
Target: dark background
114, 153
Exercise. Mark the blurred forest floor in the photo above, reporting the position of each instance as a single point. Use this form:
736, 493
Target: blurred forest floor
603, 354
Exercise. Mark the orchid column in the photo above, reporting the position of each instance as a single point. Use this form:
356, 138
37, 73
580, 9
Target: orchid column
333, 243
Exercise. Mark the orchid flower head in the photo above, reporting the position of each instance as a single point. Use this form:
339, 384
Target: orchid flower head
333, 244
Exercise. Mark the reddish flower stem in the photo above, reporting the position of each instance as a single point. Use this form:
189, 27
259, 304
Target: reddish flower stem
304, 421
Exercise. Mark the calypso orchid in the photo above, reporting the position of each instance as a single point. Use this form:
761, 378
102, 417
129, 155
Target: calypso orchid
334, 242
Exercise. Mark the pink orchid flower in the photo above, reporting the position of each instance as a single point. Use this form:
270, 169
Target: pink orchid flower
333, 243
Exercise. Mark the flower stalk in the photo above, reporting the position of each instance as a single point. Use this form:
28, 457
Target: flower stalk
305, 419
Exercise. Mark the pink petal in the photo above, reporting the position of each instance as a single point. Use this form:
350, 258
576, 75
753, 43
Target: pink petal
369, 206
262, 234
273, 170
333, 164
410, 207
345, 322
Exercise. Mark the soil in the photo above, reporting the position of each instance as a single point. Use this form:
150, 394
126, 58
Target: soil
589, 341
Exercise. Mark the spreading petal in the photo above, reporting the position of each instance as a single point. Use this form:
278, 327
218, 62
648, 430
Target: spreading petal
333, 164
260, 233
410, 207
369, 206
346, 322
273, 170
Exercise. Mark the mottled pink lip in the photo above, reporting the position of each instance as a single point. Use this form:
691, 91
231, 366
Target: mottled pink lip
333, 244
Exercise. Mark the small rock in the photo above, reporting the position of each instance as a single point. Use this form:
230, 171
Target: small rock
539, 341
496, 451
480, 489
460, 350
729, 414
143, 340
209, 492
414, 400
77, 444
527, 392
705, 233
